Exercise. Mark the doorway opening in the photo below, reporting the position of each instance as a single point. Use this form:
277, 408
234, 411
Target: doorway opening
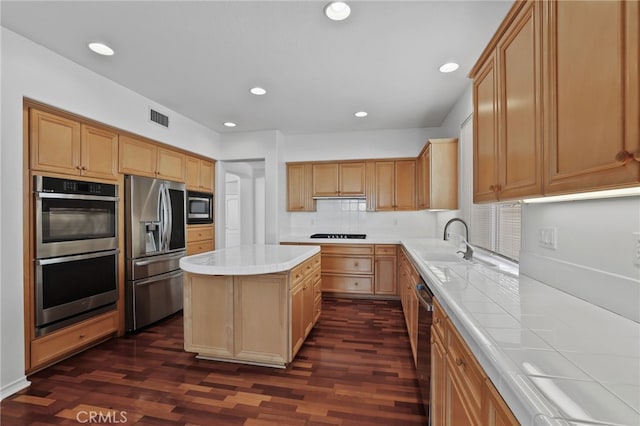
242, 214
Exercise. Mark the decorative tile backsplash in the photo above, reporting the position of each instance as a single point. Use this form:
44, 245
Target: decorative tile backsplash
351, 216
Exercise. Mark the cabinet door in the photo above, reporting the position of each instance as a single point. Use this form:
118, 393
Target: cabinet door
385, 185
456, 412
171, 165
208, 315
592, 102
99, 152
308, 309
192, 180
520, 114
423, 173
261, 318
297, 319
325, 180
137, 157
299, 182
385, 275
55, 143
438, 365
207, 175
485, 136
497, 413
405, 185
352, 179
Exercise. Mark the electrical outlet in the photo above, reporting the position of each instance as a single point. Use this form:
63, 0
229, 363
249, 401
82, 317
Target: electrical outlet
547, 238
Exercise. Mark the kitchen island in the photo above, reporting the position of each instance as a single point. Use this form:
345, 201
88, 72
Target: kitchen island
252, 304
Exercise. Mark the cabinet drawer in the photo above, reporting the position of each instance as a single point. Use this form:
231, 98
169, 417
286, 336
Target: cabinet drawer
466, 369
199, 247
347, 265
439, 319
347, 284
64, 342
305, 269
347, 249
385, 250
199, 233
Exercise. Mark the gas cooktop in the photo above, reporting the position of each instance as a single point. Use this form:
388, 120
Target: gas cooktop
348, 236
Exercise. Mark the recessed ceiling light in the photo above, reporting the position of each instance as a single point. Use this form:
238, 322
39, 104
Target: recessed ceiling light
337, 10
258, 91
361, 114
101, 49
229, 124
449, 67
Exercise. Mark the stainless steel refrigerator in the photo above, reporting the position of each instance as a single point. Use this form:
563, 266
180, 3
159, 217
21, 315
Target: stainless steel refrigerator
155, 231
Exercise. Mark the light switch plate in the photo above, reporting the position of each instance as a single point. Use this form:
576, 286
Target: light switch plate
547, 238
636, 248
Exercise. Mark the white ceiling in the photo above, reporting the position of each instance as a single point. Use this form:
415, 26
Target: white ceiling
200, 58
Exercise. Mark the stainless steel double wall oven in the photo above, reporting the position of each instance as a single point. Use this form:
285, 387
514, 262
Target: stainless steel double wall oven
76, 265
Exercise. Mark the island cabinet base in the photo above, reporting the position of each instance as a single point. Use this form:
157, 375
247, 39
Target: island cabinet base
252, 319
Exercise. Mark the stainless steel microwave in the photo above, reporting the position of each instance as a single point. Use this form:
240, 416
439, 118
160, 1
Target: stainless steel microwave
199, 207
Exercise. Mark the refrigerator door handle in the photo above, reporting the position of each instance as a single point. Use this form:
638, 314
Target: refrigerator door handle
165, 217
169, 216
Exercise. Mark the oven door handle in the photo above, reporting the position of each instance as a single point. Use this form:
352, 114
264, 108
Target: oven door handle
41, 195
65, 259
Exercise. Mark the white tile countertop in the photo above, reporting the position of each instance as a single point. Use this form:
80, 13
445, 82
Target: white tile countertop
554, 358
248, 259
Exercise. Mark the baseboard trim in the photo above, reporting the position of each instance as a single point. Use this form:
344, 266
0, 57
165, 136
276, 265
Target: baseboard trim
13, 387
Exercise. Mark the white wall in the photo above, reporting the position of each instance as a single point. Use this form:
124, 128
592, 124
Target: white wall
357, 145
594, 258
29, 70
267, 146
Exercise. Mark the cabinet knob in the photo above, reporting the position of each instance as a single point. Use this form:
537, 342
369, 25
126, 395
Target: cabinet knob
459, 362
356, 283
625, 156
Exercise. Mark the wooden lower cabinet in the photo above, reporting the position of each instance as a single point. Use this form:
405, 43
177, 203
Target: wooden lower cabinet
60, 344
461, 392
200, 239
438, 368
385, 271
255, 319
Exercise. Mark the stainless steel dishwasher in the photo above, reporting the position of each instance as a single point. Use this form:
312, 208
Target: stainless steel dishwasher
425, 319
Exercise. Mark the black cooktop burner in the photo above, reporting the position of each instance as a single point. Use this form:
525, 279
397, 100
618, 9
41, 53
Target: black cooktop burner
348, 236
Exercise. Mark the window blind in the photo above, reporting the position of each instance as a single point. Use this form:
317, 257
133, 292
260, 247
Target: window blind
494, 227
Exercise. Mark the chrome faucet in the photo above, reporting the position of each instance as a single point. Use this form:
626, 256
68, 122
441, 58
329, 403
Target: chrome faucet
468, 253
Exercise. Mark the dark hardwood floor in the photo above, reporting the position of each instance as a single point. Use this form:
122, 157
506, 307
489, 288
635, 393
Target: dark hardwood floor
354, 369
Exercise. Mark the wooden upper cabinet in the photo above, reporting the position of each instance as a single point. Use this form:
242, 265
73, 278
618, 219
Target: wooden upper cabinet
62, 145
299, 187
395, 185
99, 152
485, 134
344, 179
325, 180
352, 179
520, 106
405, 182
138, 157
556, 101
437, 172
591, 106
508, 115
200, 174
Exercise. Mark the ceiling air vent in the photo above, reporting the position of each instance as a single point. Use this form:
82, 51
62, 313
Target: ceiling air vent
158, 118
